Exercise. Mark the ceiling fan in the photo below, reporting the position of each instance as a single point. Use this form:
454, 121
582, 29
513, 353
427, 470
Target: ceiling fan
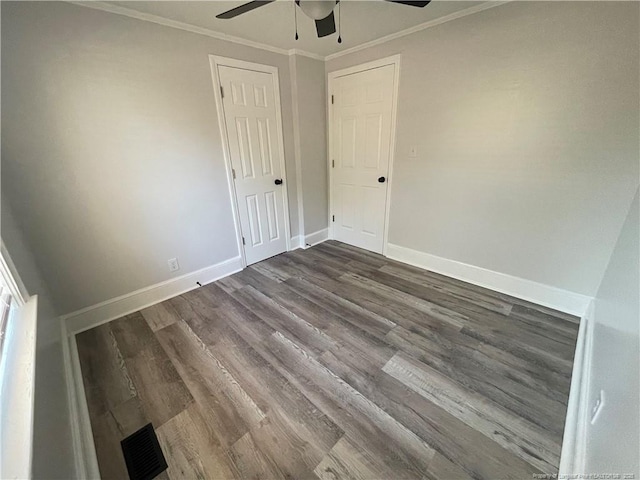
319, 10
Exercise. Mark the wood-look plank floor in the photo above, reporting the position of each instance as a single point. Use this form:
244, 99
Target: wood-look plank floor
331, 363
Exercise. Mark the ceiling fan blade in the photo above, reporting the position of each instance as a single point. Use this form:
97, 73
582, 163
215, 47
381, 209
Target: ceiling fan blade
326, 26
411, 3
247, 7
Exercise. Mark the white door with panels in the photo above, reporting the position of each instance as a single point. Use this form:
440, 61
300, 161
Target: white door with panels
361, 134
251, 117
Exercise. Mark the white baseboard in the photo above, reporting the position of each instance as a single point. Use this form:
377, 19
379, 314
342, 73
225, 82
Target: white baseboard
103, 312
86, 462
84, 450
548, 296
295, 243
572, 457
316, 237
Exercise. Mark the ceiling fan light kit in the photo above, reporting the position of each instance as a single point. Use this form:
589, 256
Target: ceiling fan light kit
321, 11
317, 9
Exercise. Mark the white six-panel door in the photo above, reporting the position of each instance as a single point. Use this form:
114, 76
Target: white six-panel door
361, 124
250, 116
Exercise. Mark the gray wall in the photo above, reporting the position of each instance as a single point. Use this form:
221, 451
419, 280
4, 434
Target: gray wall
613, 441
524, 136
52, 443
525, 118
111, 151
312, 106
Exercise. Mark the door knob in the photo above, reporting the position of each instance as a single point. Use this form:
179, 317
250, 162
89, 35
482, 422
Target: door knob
278, 181
381, 179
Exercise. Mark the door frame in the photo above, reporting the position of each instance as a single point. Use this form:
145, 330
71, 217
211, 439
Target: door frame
215, 61
331, 77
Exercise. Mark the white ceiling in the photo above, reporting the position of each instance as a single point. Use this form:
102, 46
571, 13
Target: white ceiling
273, 24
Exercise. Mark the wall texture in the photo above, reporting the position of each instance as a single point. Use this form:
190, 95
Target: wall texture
312, 106
615, 364
525, 118
111, 151
524, 135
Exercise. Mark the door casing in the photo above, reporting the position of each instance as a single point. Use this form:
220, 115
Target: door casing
331, 77
215, 61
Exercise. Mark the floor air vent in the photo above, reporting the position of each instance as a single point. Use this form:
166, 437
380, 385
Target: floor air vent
143, 455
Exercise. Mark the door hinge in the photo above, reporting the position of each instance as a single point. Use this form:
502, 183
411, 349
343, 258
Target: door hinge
333, 218
333, 164
221, 91
243, 242
331, 99
233, 172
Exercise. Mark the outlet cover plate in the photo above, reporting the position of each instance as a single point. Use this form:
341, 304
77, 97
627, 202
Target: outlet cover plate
173, 264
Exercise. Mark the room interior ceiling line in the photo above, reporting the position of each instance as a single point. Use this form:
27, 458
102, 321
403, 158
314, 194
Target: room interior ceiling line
148, 17
304, 53
416, 28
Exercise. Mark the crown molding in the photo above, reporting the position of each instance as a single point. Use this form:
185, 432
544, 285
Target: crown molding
148, 17
304, 53
423, 26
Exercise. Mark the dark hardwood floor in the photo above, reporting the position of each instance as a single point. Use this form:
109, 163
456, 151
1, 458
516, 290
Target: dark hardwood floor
334, 362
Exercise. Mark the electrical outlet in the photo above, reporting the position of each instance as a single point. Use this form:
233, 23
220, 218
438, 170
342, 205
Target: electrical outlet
597, 407
173, 264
